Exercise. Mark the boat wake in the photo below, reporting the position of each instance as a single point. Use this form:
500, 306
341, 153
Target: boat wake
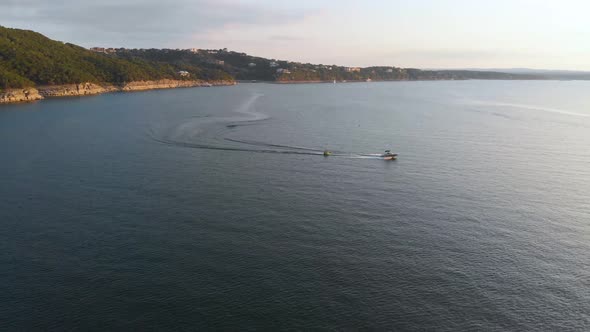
210, 133
525, 107
255, 143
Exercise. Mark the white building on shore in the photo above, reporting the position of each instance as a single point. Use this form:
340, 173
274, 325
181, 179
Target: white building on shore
353, 69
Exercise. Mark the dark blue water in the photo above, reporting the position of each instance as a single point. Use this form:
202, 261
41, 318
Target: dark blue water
212, 208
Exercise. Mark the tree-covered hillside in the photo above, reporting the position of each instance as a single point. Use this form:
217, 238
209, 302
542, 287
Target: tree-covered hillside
27, 57
196, 64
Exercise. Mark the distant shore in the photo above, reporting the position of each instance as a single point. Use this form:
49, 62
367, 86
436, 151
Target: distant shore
394, 80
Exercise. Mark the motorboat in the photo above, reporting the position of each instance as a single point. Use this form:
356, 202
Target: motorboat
388, 155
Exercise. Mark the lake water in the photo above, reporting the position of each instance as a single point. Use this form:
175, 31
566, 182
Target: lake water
213, 208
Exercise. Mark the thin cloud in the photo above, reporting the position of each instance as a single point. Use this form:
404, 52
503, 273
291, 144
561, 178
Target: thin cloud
89, 22
285, 38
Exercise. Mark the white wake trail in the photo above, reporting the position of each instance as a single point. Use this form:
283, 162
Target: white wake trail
528, 107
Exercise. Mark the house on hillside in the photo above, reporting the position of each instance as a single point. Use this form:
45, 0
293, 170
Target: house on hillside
273, 64
352, 69
184, 73
193, 50
106, 50
283, 71
251, 65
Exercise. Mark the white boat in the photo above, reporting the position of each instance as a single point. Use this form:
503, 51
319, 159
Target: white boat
388, 155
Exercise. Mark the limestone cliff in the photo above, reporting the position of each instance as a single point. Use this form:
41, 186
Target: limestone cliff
81, 89
19, 95
169, 84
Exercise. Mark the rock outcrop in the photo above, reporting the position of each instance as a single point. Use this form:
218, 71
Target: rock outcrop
81, 89
19, 95
169, 84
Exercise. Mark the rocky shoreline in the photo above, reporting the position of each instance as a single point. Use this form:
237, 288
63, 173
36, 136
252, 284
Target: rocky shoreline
19, 95
85, 89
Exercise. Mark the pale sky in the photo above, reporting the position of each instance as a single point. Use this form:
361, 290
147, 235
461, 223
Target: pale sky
418, 33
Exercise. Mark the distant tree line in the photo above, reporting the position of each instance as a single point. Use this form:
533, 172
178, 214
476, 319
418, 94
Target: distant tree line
28, 58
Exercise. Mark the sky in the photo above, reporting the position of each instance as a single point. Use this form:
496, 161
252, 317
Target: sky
540, 34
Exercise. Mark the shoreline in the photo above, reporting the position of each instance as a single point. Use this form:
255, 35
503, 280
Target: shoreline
404, 80
31, 94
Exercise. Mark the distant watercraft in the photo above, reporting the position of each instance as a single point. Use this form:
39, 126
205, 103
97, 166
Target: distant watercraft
327, 153
388, 155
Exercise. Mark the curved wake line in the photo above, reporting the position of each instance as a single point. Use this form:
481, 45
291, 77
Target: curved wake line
246, 108
531, 107
208, 127
229, 148
273, 145
210, 132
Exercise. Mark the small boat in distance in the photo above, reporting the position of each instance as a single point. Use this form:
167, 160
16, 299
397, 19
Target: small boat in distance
327, 153
388, 155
